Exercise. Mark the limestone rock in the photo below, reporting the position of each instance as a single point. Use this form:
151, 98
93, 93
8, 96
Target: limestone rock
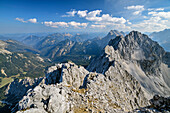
88, 91
139, 56
158, 104
18, 88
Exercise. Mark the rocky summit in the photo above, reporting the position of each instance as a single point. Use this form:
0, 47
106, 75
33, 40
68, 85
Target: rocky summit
128, 73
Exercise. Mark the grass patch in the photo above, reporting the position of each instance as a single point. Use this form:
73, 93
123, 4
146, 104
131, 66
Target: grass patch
5, 81
24, 73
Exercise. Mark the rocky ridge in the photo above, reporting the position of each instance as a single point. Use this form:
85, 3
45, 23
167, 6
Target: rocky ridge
70, 88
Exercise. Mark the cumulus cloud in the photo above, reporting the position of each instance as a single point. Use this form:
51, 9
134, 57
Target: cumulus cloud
92, 15
95, 16
32, 20
70, 13
77, 24
160, 14
56, 24
64, 24
137, 9
152, 24
82, 13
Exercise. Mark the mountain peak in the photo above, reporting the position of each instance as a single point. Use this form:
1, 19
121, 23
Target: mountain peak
114, 32
134, 33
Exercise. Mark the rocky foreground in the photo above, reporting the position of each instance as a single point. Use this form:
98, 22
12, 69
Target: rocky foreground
124, 78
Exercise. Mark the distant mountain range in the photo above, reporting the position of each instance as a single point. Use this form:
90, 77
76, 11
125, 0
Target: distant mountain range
163, 38
79, 48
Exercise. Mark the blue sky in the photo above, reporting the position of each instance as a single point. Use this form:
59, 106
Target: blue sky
30, 16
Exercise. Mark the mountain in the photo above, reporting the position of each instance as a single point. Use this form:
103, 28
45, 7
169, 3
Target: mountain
102, 42
20, 60
139, 56
3, 37
15, 46
79, 48
129, 72
81, 37
163, 37
31, 40
78, 52
51, 40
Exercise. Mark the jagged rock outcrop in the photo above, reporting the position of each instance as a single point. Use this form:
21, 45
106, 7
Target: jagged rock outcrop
158, 104
70, 88
18, 88
139, 56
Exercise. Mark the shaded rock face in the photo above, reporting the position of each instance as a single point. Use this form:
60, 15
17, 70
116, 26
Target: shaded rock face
70, 88
139, 56
158, 104
18, 88
69, 74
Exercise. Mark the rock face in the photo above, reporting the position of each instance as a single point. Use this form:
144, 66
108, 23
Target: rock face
158, 104
139, 56
18, 88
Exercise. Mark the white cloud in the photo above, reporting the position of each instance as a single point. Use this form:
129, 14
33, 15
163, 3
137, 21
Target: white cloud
128, 22
107, 17
21, 20
77, 24
70, 13
145, 17
92, 15
64, 24
160, 14
82, 13
33, 20
156, 9
138, 9
152, 24
98, 26
56, 24
136, 12
95, 16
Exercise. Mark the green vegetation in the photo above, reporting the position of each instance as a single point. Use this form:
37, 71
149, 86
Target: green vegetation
5, 81
24, 64
3, 107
